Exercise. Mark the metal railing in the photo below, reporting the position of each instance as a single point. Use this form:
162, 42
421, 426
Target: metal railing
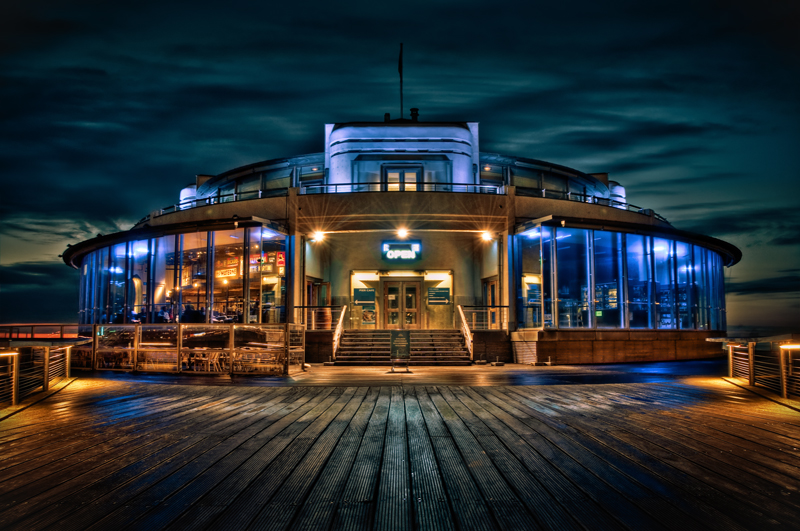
28, 370
586, 198
485, 317
40, 331
215, 200
764, 363
263, 349
465, 331
337, 334
350, 188
318, 317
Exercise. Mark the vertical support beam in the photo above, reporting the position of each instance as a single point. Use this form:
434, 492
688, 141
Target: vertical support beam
46, 380
15, 381
231, 347
68, 361
94, 347
751, 370
286, 349
782, 358
730, 360
179, 357
136, 339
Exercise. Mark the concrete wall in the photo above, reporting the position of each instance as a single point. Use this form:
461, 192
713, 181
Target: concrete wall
563, 347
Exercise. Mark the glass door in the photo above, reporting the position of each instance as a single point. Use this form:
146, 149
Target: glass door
401, 305
490, 300
402, 179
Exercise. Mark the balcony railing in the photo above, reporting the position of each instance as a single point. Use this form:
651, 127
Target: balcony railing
586, 198
763, 363
26, 371
350, 188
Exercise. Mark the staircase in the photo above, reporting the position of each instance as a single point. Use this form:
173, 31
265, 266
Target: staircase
428, 347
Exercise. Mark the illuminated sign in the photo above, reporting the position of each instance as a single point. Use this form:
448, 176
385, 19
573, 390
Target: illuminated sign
225, 273
401, 250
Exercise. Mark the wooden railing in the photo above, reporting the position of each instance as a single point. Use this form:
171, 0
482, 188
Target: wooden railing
465, 331
32, 370
337, 335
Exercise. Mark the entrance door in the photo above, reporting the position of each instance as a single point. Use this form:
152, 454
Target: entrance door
401, 301
490, 300
402, 179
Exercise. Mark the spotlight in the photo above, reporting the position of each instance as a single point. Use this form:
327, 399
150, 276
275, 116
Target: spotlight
486, 236
402, 233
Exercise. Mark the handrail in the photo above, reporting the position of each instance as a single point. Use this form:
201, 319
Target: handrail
337, 335
465, 331
53, 366
418, 187
412, 187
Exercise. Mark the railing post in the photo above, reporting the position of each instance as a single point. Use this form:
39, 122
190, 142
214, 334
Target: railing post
137, 330
286, 349
15, 380
231, 346
782, 360
751, 371
179, 342
46, 372
730, 360
68, 361
94, 347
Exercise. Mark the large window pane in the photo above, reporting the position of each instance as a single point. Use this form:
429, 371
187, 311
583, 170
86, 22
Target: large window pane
640, 281
138, 287
548, 272
116, 287
228, 277
684, 295
194, 260
572, 260
608, 279
166, 292
530, 305
664, 258
700, 291
274, 269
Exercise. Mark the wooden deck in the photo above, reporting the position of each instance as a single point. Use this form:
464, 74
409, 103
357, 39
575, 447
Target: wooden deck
698, 453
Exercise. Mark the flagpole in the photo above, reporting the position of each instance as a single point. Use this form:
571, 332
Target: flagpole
400, 70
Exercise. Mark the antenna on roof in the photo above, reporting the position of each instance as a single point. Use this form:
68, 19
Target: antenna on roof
400, 71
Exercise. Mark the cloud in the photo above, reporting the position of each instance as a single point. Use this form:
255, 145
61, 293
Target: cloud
35, 292
788, 285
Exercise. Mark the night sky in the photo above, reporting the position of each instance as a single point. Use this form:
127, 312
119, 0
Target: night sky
107, 109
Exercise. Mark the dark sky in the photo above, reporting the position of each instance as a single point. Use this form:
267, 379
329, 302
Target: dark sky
107, 109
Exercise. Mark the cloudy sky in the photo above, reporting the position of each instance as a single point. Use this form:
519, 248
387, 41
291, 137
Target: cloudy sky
107, 109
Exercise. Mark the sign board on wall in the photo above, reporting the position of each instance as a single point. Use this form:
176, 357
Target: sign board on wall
363, 296
401, 251
438, 296
368, 314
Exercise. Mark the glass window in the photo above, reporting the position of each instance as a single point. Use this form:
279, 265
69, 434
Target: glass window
555, 185
117, 271
226, 192
640, 282
572, 260
248, 187
700, 287
193, 262
683, 292
548, 277
608, 279
277, 179
166, 289
228, 283
138, 287
531, 279
402, 179
664, 261
274, 267
525, 178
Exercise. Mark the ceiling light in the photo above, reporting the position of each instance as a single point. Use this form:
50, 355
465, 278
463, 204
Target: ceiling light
402, 233
319, 236
486, 236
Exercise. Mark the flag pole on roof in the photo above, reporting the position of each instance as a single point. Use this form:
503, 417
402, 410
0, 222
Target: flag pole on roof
400, 71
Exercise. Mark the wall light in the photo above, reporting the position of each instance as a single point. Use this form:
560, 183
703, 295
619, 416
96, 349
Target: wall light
402, 233
318, 236
486, 236
790, 347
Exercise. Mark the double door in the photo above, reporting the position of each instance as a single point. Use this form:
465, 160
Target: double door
401, 301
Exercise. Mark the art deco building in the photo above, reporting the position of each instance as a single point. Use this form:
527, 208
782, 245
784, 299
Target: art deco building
410, 226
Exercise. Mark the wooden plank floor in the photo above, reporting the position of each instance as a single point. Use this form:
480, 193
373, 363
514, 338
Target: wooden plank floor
696, 453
